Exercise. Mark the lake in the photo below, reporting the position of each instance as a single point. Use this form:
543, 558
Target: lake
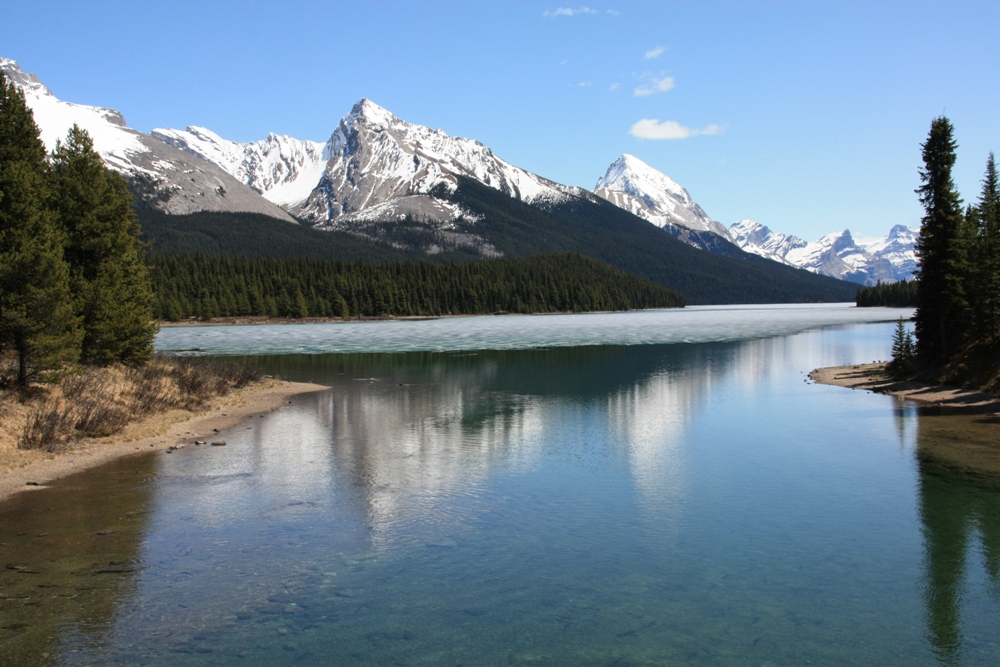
650, 488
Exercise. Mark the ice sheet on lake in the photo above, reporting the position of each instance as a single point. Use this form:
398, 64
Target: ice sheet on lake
688, 325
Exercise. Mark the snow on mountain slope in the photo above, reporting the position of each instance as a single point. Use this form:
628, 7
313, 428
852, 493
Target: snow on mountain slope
633, 185
283, 169
837, 254
181, 183
759, 240
373, 157
898, 248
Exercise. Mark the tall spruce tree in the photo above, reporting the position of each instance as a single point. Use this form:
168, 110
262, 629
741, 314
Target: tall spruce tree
987, 254
108, 276
942, 308
37, 320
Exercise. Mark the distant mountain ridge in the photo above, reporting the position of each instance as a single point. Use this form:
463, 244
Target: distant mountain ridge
887, 259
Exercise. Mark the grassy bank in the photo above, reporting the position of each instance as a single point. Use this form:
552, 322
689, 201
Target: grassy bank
92, 403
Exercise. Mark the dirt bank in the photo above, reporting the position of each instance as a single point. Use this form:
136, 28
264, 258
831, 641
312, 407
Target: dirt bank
176, 428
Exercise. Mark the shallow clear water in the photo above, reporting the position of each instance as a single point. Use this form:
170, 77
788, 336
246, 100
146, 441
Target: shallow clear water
680, 504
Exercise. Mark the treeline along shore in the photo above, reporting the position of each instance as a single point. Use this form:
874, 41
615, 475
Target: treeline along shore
222, 286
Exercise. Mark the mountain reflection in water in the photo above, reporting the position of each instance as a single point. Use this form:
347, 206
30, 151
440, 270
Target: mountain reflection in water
682, 504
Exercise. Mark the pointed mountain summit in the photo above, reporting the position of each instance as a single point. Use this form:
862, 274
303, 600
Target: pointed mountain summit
172, 180
633, 185
376, 158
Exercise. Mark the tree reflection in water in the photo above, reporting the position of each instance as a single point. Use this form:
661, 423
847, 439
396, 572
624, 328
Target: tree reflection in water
959, 509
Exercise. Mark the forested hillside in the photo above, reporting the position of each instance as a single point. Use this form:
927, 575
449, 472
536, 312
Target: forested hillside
604, 231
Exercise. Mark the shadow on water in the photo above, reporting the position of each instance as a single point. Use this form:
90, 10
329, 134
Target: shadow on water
959, 508
69, 556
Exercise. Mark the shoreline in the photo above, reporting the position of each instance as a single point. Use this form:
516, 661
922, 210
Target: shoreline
164, 432
872, 377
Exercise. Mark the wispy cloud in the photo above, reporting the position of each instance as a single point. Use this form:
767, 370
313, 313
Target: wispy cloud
613, 87
584, 84
570, 11
652, 128
655, 52
655, 83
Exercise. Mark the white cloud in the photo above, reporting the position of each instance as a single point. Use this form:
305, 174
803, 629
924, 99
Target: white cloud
655, 84
613, 12
654, 52
584, 84
613, 87
652, 128
570, 11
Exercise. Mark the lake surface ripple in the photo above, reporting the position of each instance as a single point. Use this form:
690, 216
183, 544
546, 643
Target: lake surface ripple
690, 503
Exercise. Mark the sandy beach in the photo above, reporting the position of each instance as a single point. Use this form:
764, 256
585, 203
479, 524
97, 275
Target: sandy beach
872, 377
173, 429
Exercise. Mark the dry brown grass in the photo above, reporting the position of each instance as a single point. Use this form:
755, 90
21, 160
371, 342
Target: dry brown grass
100, 402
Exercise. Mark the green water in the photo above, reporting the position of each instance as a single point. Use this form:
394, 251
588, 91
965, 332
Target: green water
683, 504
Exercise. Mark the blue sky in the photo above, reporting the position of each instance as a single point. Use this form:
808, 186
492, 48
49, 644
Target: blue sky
806, 116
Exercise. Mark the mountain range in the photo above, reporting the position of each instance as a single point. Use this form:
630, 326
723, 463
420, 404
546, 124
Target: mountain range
417, 190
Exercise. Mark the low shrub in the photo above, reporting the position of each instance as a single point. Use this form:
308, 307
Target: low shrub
49, 427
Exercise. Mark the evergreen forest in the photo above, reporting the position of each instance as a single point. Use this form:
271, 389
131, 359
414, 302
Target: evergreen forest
224, 286
899, 294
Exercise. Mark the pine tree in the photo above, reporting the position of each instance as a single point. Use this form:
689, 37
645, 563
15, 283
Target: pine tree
902, 350
115, 299
37, 321
942, 309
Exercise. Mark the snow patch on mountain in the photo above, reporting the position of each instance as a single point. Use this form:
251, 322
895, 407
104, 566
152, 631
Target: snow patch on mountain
117, 144
432, 225
283, 169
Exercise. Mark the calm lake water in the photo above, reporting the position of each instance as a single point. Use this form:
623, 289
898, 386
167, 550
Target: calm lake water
676, 503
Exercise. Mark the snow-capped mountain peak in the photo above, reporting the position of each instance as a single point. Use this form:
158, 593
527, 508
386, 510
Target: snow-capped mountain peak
366, 111
177, 182
633, 185
631, 175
